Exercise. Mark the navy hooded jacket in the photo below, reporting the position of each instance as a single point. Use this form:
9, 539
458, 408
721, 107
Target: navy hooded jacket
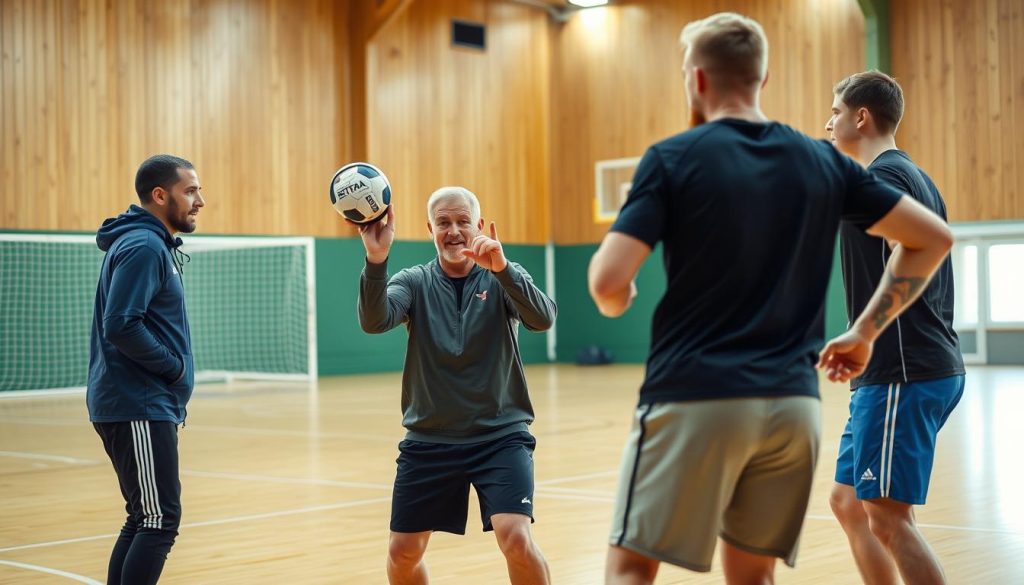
140, 357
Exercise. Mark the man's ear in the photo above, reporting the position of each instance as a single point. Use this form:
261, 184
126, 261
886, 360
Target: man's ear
701, 79
863, 115
159, 196
430, 228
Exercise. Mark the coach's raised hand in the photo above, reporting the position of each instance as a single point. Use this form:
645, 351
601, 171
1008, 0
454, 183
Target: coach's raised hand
378, 236
487, 251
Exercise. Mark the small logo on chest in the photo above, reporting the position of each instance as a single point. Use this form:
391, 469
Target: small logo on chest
482, 295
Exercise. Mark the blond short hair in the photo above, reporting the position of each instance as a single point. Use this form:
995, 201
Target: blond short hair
731, 48
445, 193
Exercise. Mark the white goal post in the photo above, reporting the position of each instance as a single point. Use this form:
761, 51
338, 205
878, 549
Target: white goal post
251, 303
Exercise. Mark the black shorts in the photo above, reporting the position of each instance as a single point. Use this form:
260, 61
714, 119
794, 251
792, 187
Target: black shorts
433, 479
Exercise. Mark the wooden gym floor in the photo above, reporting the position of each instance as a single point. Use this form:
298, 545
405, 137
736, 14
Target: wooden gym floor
284, 484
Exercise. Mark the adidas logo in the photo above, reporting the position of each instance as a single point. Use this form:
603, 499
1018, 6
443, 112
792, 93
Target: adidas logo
868, 476
526, 501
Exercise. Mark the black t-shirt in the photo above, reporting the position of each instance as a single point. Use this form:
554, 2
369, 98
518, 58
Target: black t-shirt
921, 344
748, 215
460, 284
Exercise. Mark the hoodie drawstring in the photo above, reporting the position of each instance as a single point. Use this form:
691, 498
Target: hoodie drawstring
180, 258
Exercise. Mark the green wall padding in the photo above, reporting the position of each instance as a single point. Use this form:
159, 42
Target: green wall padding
579, 323
836, 320
343, 347
628, 336
877, 34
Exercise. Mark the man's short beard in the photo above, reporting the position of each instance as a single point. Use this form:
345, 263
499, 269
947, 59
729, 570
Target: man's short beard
173, 217
696, 118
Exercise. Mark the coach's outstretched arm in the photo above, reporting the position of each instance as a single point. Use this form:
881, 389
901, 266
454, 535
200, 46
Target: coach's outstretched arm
383, 303
612, 271
924, 240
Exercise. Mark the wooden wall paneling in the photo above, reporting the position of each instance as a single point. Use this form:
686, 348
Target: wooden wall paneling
249, 91
618, 85
7, 208
1009, 155
1016, 23
14, 112
960, 64
89, 89
442, 115
1012, 47
970, 99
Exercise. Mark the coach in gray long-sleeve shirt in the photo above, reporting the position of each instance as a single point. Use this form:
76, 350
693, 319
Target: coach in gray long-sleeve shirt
464, 395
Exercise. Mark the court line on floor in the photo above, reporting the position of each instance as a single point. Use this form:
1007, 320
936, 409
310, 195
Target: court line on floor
42, 421
56, 542
223, 429
286, 480
265, 515
573, 478
543, 487
574, 491
593, 496
541, 493
938, 526
546, 484
45, 457
290, 433
229, 520
50, 571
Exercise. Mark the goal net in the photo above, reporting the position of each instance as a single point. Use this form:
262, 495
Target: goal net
250, 301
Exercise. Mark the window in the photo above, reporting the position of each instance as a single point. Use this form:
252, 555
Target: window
965, 277
1006, 283
988, 273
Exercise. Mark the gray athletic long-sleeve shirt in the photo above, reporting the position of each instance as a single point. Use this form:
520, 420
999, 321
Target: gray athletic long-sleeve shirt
463, 379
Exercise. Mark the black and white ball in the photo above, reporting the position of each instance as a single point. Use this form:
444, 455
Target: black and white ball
360, 192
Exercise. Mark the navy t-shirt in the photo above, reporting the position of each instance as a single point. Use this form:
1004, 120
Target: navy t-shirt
921, 344
748, 215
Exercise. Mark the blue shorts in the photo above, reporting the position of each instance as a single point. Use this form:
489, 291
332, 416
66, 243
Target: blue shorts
888, 446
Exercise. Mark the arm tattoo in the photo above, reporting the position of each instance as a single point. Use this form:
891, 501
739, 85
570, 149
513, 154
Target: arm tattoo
907, 287
904, 287
881, 314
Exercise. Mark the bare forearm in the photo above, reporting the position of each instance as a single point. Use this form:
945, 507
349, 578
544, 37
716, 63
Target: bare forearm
612, 303
612, 270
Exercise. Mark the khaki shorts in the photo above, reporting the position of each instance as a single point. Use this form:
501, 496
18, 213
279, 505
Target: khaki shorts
736, 468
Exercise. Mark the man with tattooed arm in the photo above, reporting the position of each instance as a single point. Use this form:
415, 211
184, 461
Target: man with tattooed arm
915, 377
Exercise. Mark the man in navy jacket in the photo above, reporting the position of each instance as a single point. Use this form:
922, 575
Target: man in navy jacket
140, 361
